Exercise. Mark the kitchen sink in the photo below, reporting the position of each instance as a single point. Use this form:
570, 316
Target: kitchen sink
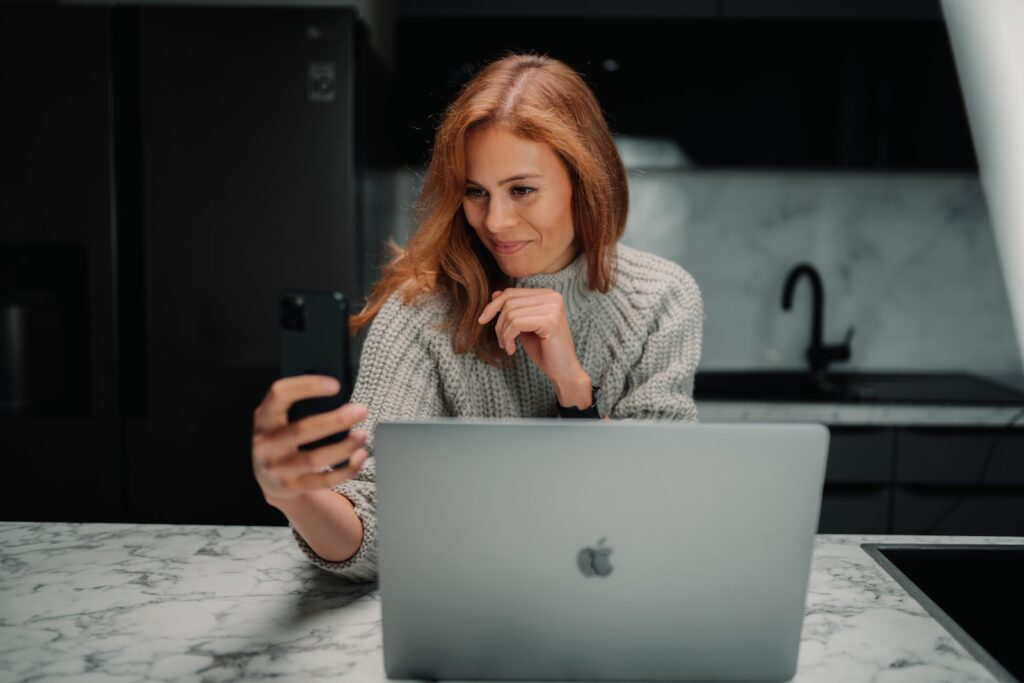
853, 387
975, 591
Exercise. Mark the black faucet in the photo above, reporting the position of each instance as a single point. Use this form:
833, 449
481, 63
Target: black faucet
818, 355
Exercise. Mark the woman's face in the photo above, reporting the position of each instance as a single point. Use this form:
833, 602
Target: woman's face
519, 202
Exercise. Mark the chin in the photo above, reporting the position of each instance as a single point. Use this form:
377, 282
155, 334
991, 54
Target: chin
514, 270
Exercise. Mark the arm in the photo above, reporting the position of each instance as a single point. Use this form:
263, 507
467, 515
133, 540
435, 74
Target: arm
326, 521
537, 319
398, 379
660, 384
296, 481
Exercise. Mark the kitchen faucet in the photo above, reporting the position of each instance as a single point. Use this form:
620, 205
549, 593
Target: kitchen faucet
818, 355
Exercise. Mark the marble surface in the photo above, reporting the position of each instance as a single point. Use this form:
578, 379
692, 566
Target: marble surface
851, 415
109, 602
907, 259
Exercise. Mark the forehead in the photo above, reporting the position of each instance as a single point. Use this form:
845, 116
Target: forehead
498, 150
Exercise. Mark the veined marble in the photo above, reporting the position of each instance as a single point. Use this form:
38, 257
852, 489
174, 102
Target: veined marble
847, 414
907, 259
121, 602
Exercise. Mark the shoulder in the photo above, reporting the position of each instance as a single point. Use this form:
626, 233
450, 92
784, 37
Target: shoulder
650, 281
411, 320
424, 307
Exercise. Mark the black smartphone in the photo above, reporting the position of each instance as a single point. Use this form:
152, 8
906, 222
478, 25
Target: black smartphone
314, 341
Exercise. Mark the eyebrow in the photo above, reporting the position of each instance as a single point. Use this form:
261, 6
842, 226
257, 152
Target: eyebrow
521, 176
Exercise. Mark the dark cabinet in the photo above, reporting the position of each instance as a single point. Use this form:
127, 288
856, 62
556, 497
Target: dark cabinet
924, 480
960, 481
857, 493
959, 510
58, 396
248, 187
937, 457
769, 89
182, 165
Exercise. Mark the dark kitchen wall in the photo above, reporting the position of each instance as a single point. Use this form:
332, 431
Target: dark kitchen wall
202, 160
753, 85
759, 135
59, 424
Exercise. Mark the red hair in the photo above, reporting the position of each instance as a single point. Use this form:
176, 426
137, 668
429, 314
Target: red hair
537, 98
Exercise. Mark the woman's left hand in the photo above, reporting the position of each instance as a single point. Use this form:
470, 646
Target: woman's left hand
537, 318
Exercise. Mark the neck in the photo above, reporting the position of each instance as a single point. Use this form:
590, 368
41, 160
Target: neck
570, 281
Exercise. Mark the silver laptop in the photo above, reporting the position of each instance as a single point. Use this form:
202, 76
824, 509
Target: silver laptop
580, 550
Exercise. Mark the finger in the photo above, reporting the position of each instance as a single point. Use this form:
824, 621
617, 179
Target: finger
506, 344
303, 462
517, 326
272, 412
527, 301
530, 297
277, 444
541, 307
318, 426
321, 480
491, 308
499, 298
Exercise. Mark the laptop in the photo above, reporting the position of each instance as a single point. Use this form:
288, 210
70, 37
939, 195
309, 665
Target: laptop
537, 549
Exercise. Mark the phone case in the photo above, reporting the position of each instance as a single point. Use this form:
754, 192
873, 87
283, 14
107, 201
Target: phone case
314, 341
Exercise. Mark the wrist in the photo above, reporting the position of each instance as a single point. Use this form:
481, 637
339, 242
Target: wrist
287, 503
575, 391
279, 503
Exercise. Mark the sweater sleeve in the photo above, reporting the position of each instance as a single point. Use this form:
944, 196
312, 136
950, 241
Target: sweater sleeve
660, 383
398, 379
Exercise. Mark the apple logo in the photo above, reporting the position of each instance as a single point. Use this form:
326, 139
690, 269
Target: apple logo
594, 561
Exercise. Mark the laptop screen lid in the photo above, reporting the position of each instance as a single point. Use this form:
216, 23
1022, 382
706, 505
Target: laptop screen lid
628, 550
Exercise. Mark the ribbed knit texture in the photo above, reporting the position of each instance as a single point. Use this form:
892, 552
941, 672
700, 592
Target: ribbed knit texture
640, 343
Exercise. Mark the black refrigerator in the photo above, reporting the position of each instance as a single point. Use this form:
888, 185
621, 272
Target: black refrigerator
165, 172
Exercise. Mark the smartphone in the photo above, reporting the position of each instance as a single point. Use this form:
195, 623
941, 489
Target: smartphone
314, 341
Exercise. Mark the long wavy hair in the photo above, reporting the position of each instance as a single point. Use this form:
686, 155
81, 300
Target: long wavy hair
537, 98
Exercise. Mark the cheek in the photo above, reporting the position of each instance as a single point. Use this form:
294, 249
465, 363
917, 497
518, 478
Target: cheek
472, 213
541, 214
555, 220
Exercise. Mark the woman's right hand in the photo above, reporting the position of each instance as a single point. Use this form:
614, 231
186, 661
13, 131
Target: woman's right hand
282, 470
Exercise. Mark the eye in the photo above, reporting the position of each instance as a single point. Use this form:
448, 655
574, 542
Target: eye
475, 192
522, 190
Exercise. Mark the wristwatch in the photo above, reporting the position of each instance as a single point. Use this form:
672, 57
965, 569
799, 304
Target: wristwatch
590, 412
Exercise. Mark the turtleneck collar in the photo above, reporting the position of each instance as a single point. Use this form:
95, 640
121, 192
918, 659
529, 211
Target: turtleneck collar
570, 282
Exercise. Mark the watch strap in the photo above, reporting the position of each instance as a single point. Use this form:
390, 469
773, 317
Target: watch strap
574, 412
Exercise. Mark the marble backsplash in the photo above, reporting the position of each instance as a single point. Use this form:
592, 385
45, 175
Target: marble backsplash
908, 260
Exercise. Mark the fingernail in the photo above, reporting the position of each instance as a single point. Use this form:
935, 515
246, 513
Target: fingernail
331, 384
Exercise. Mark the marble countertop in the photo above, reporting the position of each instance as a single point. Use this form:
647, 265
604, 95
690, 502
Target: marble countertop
102, 602
853, 414
872, 414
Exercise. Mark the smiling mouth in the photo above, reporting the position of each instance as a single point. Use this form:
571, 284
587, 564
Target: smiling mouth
508, 247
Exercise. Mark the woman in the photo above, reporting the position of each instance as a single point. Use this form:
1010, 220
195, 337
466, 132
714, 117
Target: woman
511, 299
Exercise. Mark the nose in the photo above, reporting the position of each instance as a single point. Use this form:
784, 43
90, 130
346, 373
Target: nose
501, 215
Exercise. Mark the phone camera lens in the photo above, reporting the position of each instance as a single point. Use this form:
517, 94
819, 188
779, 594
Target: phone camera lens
293, 313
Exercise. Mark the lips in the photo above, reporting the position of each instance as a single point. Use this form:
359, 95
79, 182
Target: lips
509, 247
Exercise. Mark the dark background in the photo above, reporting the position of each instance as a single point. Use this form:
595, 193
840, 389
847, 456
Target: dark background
799, 92
166, 171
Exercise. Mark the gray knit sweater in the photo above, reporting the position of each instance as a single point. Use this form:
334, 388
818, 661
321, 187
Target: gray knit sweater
640, 343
